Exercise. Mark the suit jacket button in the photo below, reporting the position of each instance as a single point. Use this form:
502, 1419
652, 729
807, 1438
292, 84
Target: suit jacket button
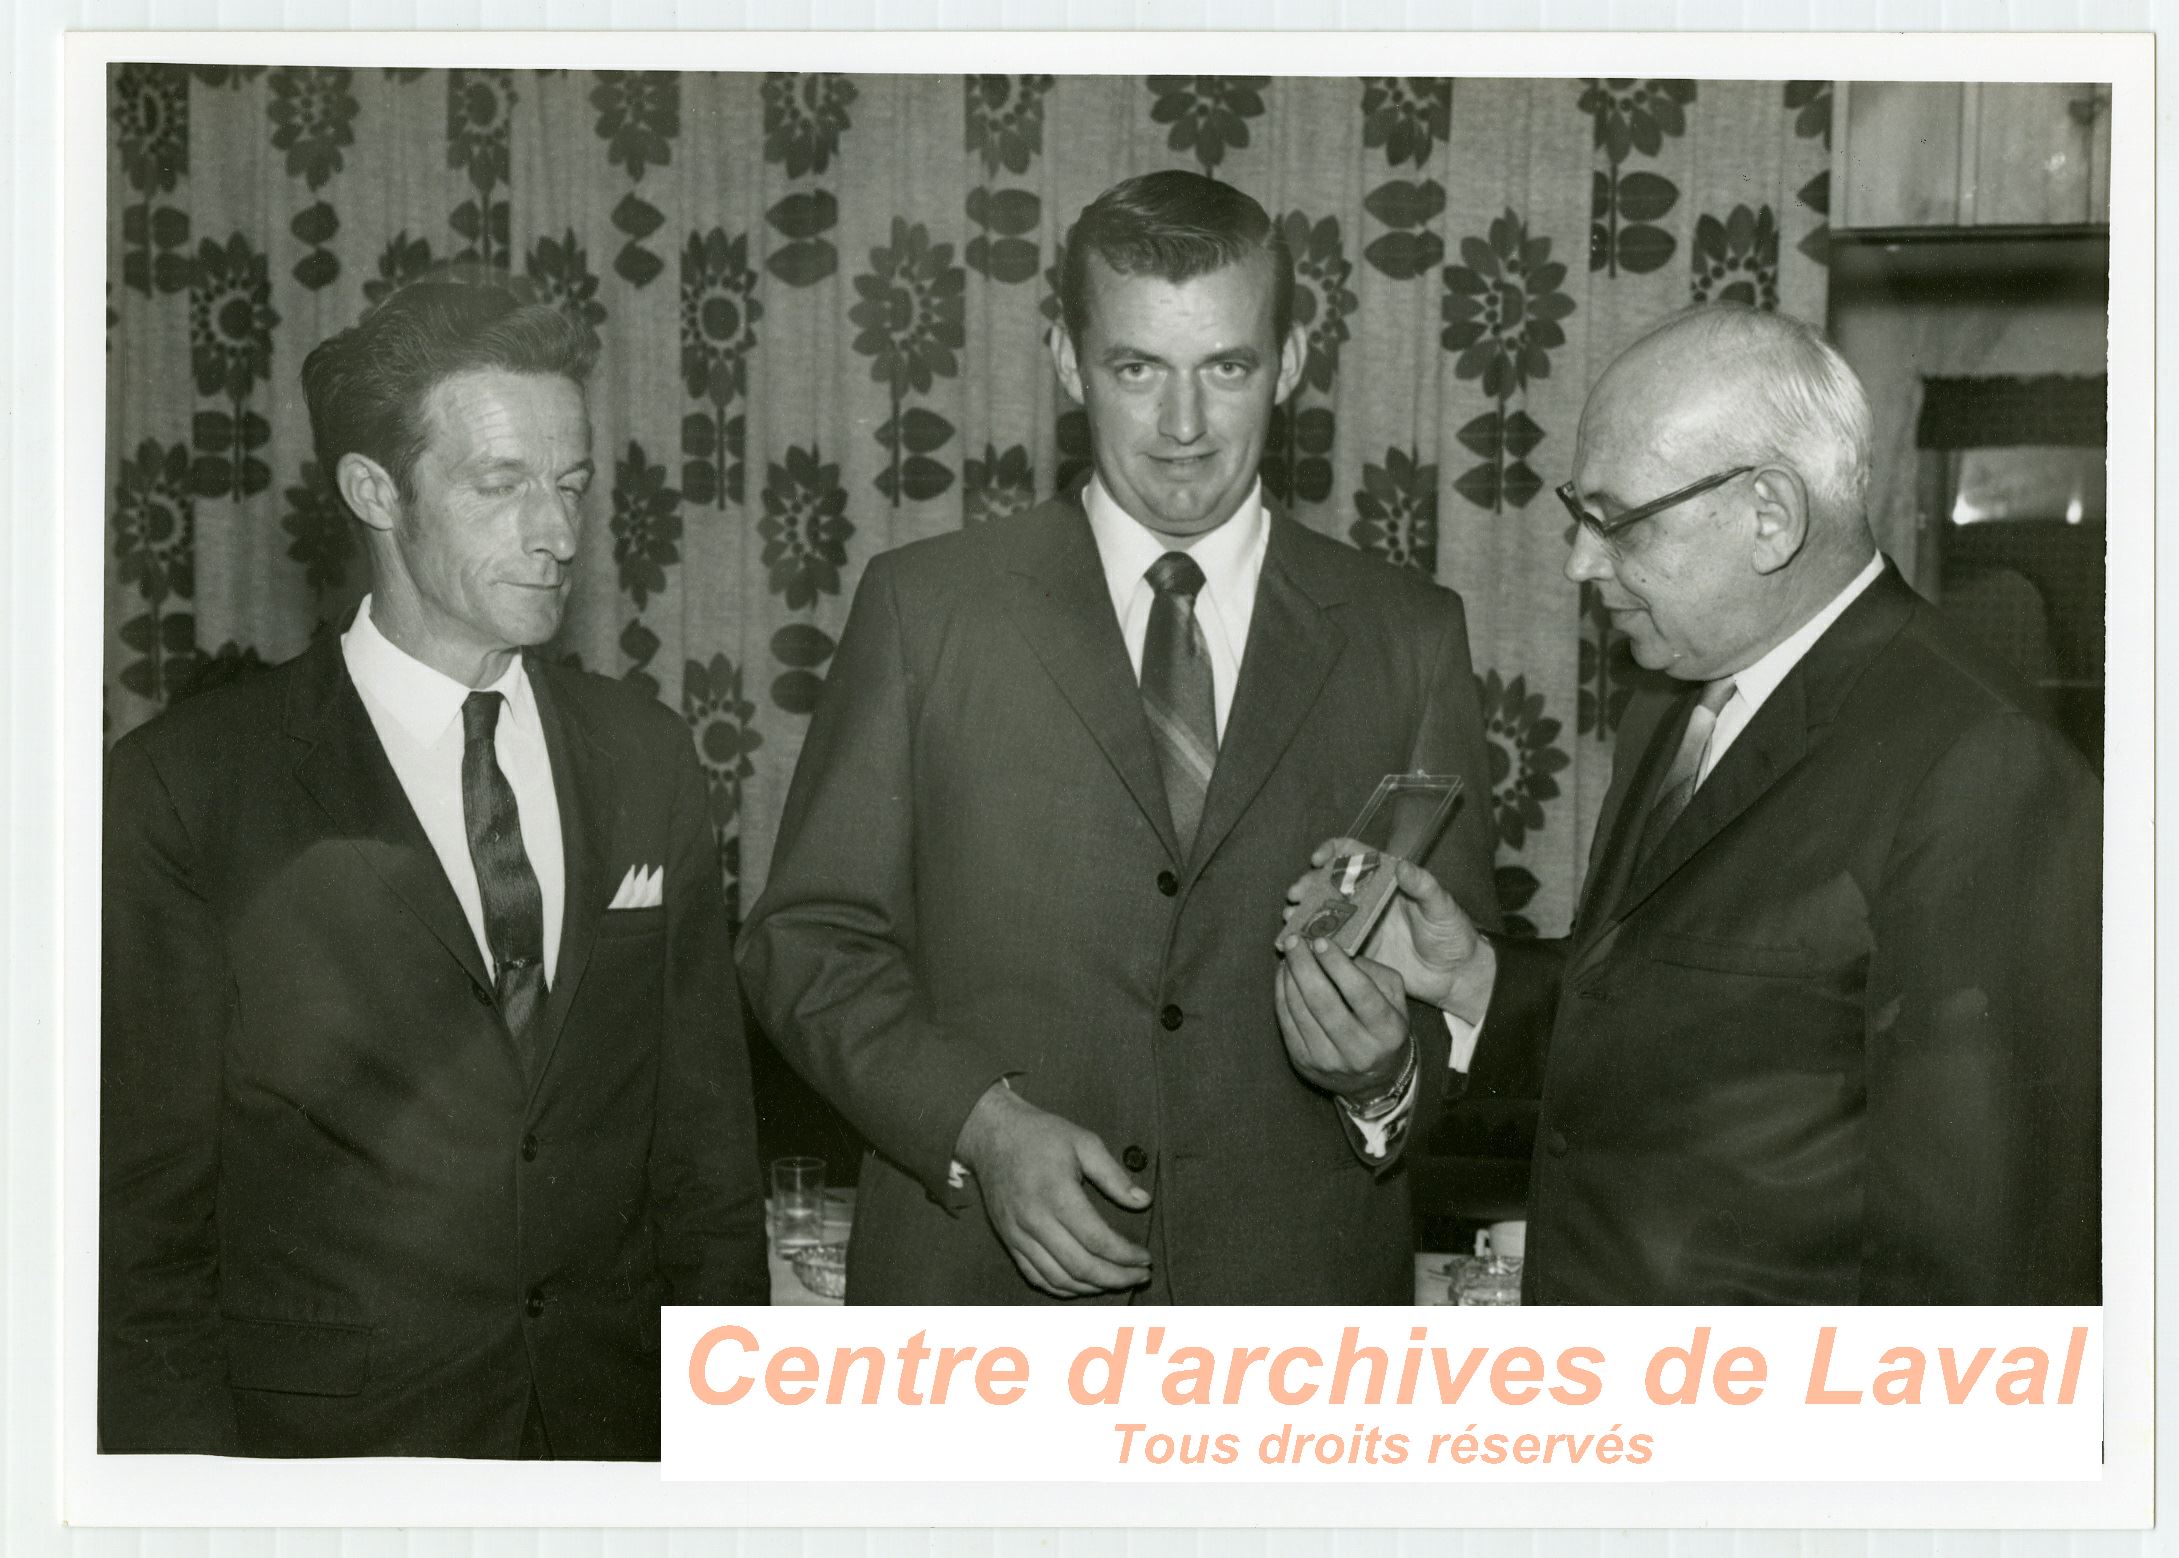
535, 1306
1171, 1018
479, 994
1135, 1160
1555, 1143
1168, 884
529, 1149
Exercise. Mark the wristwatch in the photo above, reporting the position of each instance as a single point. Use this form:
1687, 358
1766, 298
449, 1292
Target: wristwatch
1385, 1102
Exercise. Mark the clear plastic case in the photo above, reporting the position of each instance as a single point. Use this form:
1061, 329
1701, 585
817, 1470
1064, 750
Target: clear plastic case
1345, 897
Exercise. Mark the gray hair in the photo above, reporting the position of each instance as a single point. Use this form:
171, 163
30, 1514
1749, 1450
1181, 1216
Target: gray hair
1803, 407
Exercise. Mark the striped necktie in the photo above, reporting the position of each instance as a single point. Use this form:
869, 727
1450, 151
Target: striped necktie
514, 905
1686, 771
1176, 691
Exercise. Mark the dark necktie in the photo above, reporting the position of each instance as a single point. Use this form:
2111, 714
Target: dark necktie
1176, 691
1686, 770
514, 907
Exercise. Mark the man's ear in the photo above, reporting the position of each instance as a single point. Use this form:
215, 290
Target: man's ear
369, 490
1781, 517
1293, 358
1063, 362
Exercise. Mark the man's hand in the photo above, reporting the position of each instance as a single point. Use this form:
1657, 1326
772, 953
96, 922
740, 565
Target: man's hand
1030, 1166
1425, 937
1344, 1022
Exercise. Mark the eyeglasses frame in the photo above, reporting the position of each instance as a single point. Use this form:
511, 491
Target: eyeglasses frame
1607, 530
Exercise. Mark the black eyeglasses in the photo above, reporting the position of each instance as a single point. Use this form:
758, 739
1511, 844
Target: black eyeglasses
1606, 529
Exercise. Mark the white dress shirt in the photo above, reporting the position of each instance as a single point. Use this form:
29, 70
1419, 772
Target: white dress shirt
417, 713
1752, 687
1232, 560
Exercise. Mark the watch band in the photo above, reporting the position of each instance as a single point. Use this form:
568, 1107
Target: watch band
1384, 1103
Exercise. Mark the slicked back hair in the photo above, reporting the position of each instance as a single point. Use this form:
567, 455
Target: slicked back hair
1175, 225
367, 386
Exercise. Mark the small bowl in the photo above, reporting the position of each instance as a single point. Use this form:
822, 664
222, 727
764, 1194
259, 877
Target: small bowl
822, 1268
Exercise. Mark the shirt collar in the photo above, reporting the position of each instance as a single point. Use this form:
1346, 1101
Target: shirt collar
1231, 556
1760, 680
423, 701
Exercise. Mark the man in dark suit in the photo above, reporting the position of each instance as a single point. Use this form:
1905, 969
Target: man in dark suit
1019, 924
423, 1081
1825, 1029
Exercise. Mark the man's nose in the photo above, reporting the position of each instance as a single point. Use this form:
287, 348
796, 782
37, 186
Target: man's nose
1180, 411
1591, 558
554, 522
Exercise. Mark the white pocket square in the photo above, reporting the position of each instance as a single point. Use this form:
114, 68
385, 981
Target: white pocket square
642, 888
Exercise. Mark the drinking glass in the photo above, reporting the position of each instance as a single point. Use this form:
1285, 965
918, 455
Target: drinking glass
798, 1203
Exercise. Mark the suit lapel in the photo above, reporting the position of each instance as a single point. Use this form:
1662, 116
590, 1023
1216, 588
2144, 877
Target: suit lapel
345, 769
1292, 645
1060, 603
1773, 742
583, 784
1780, 735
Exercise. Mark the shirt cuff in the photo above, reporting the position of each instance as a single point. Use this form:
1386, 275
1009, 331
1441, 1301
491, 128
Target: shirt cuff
1464, 1034
1461, 1052
1380, 1136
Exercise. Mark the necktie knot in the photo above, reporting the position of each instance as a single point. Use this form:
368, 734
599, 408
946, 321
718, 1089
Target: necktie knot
480, 716
1716, 695
1176, 573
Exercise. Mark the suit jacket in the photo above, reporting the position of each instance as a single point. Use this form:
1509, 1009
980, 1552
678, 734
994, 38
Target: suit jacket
1836, 1040
976, 877
337, 1217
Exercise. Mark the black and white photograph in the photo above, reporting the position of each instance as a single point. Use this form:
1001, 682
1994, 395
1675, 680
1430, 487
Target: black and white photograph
751, 687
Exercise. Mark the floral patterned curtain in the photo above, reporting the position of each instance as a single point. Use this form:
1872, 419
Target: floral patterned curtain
823, 299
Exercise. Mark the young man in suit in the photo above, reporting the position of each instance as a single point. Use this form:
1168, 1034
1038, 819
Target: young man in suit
1825, 1029
1020, 919
424, 1083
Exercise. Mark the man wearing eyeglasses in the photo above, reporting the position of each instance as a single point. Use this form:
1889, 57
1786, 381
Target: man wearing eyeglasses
1825, 1028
